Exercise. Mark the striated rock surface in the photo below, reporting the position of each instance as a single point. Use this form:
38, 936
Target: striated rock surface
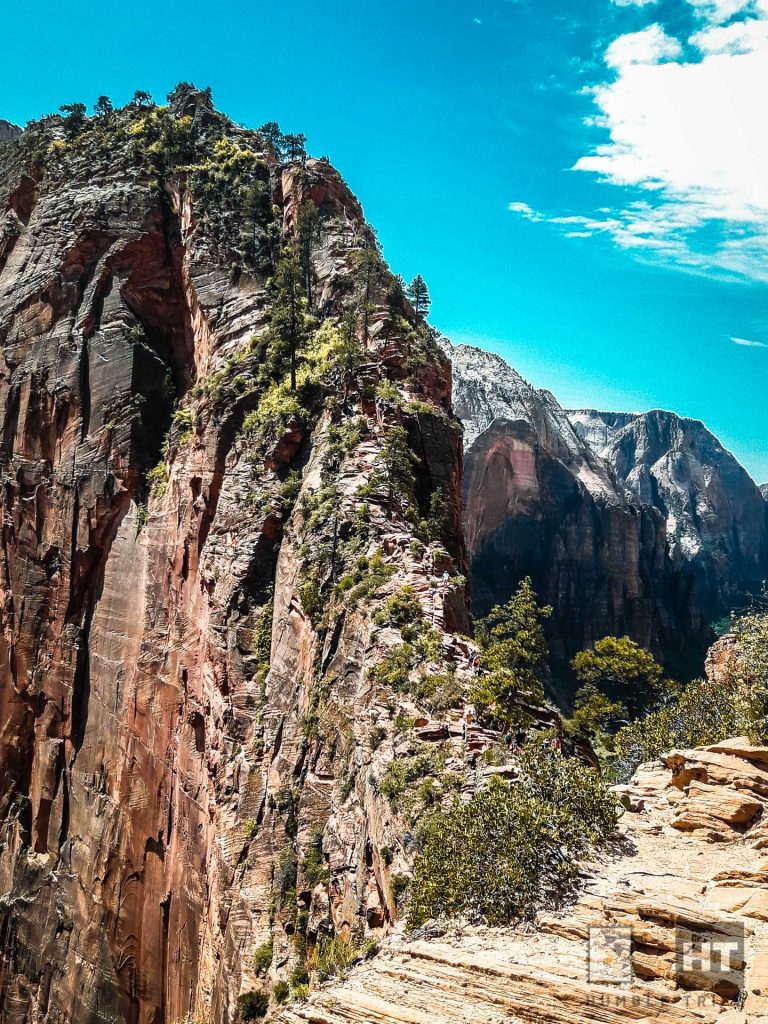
191, 563
687, 890
8, 132
717, 521
540, 502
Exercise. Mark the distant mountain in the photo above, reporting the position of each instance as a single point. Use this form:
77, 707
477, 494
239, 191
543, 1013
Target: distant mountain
627, 523
8, 131
717, 522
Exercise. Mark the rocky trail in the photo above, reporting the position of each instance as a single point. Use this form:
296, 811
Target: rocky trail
687, 885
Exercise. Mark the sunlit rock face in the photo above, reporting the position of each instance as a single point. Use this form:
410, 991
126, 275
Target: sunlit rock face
715, 514
181, 717
636, 524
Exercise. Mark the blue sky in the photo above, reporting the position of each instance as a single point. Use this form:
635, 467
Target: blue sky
579, 181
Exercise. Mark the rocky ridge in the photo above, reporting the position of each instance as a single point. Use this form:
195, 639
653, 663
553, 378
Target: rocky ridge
627, 523
687, 888
193, 557
717, 522
539, 502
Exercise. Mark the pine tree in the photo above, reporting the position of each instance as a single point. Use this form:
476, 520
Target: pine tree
367, 262
290, 323
418, 294
307, 233
295, 147
397, 462
619, 667
103, 107
74, 120
141, 99
514, 656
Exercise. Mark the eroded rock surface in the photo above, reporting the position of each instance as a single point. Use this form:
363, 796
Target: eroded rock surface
688, 885
186, 697
540, 502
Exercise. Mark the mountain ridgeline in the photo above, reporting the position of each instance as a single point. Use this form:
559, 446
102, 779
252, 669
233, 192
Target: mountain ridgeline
637, 524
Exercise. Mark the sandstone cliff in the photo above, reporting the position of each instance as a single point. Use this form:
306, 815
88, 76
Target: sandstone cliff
190, 729
540, 502
686, 888
717, 521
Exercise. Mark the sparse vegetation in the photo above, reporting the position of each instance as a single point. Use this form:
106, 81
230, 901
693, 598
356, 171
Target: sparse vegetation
511, 848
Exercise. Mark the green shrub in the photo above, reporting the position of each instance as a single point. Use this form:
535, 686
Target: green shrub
299, 975
334, 957
440, 692
250, 828
300, 992
402, 609
496, 858
400, 886
404, 771
253, 1005
704, 713
621, 670
262, 958
157, 479
281, 991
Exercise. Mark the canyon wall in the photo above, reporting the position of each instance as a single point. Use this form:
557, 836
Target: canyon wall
540, 502
192, 558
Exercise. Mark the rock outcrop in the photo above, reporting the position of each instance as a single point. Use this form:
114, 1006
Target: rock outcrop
8, 132
192, 555
540, 502
672, 928
717, 521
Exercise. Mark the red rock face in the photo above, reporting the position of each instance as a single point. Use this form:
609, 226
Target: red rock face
153, 784
601, 563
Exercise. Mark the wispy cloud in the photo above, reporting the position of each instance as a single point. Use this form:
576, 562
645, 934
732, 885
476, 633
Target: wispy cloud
633, 3
745, 343
687, 141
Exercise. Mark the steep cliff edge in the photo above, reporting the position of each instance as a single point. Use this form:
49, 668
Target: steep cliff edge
193, 551
540, 502
671, 929
717, 520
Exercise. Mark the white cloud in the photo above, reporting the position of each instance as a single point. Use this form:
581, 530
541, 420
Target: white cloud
718, 11
748, 344
633, 3
650, 46
687, 140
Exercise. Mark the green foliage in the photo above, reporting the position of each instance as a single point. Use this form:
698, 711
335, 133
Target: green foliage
404, 771
311, 599
261, 643
496, 858
157, 479
365, 580
514, 658
750, 674
418, 295
281, 991
704, 713
401, 610
440, 692
593, 714
620, 668
262, 958
394, 470
334, 957
253, 1005
250, 828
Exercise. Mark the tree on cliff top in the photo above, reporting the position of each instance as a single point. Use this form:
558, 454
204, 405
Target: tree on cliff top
514, 657
418, 294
